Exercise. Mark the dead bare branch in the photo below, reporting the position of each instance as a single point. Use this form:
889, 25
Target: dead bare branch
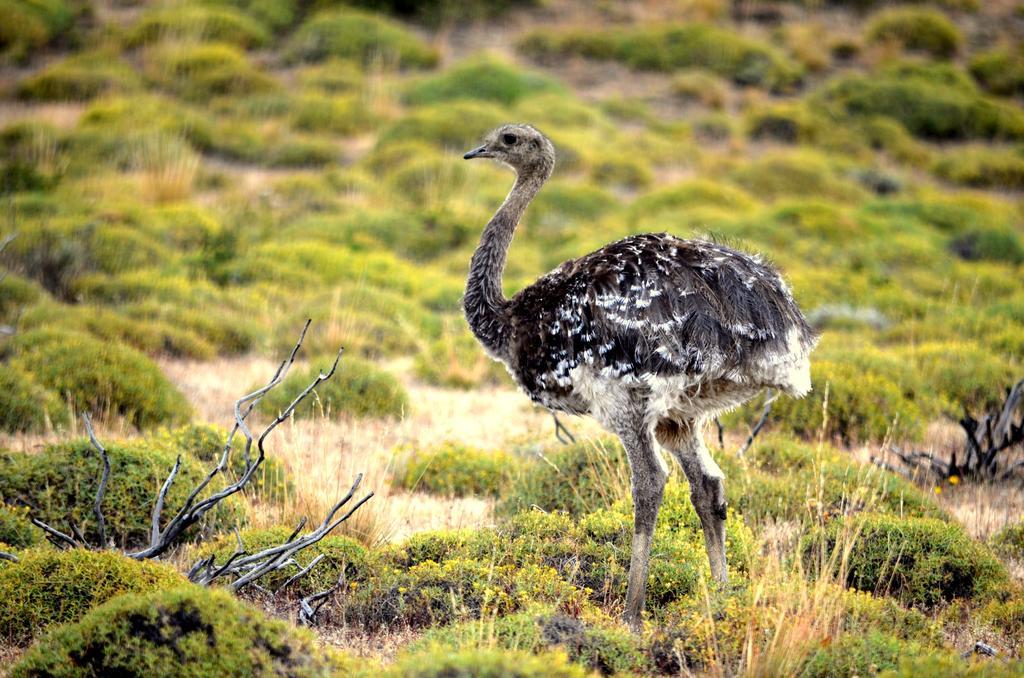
984, 440
4, 555
770, 397
97, 507
311, 605
563, 434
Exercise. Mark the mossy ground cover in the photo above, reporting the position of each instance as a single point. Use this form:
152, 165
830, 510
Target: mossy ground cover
194, 181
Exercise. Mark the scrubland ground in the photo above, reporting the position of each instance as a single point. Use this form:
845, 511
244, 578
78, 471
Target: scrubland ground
184, 183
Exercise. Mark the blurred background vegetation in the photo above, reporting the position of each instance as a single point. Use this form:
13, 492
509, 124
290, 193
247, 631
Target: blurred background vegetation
190, 179
184, 182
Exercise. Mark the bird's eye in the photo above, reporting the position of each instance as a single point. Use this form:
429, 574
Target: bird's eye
509, 139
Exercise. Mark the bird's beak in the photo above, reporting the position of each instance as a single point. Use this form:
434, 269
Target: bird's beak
481, 152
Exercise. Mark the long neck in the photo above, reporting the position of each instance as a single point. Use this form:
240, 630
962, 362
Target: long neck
484, 302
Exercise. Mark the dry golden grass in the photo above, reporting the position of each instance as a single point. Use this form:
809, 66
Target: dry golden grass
324, 456
167, 168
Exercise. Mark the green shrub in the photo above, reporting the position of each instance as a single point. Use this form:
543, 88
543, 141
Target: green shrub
456, 125
784, 123
481, 663
487, 79
16, 528
25, 26
102, 377
964, 373
579, 478
48, 587
453, 469
334, 114
784, 479
922, 562
916, 29
25, 405
929, 105
951, 665
79, 77
999, 71
700, 86
1009, 541
625, 171
743, 60
862, 405
1007, 616
61, 481
187, 630
274, 14
794, 173
456, 360
206, 70
441, 12
199, 24
358, 388
433, 594
858, 654
366, 38
597, 643
981, 167
343, 557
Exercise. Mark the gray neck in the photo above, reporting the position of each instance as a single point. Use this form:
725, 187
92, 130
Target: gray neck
485, 304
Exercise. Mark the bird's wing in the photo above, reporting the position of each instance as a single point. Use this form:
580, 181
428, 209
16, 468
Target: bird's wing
659, 305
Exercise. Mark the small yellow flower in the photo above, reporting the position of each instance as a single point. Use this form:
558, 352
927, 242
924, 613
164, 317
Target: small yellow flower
402, 589
954, 480
938, 490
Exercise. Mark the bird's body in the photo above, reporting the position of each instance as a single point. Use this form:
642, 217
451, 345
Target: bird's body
650, 335
699, 326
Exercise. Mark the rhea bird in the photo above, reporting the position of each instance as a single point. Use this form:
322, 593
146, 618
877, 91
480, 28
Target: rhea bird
651, 335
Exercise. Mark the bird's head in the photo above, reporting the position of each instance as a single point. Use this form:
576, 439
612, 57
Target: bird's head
522, 147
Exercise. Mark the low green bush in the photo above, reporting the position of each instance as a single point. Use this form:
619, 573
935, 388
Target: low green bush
916, 29
625, 171
951, 665
452, 469
794, 173
579, 478
365, 38
456, 360
16, 528
343, 557
1010, 541
434, 594
487, 79
964, 373
700, 86
440, 663
333, 114
48, 587
276, 15
981, 167
80, 77
861, 406
999, 71
456, 125
60, 482
206, 70
1008, 617
188, 630
442, 12
199, 24
597, 643
858, 654
26, 26
25, 406
933, 104
358, 388
745, 61
923, 562
100, 377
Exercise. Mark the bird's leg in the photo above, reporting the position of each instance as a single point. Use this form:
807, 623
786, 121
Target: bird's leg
648, 476
707, 486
